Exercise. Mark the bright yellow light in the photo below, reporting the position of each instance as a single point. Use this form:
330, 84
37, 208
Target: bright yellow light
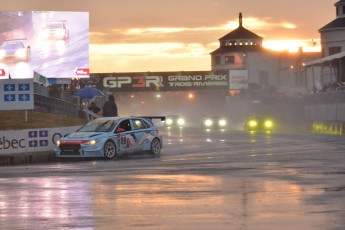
268, 124
190, 96
253, 123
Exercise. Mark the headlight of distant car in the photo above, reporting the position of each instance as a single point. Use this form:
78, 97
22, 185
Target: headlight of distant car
222, 122
253, 123
58, 143
208, 122
180, 121
268, 124
44, 34
2, 53
21, 53
60, 33
92, 142
169, 121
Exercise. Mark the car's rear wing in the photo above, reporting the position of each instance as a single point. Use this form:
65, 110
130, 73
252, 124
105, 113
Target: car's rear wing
162, 118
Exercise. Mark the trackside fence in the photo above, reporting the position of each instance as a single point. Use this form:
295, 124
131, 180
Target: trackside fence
54, 105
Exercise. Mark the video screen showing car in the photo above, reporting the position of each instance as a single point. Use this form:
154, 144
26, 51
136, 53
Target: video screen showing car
52, 44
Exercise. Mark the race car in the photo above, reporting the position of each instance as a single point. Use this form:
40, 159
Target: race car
15, 49
174, 121
56, 30
256, 123
111, 137
214, 122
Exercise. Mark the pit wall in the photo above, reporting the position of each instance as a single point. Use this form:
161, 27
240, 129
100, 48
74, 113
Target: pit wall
30, 145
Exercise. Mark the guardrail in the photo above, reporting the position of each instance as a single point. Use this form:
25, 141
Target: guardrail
328, 97
325, 106
54, 105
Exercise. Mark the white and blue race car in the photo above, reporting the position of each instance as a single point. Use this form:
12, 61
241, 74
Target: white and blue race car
111, 137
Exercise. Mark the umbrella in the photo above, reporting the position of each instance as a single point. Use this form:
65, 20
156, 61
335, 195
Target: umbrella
88, 93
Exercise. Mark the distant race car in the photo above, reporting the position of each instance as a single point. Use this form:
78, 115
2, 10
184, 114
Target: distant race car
15, 49
56, 30
111, 137
214, 122
174, 121
256, 123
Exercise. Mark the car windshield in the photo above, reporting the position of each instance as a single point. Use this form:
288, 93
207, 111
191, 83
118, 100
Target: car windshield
54, 26
12, 46
99, 126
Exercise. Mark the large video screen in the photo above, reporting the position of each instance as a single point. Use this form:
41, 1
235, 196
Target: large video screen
51, 44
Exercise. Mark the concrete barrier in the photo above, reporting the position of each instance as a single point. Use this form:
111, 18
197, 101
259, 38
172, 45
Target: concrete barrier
30, 145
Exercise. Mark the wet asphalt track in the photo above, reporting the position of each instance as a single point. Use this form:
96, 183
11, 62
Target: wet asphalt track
202, 180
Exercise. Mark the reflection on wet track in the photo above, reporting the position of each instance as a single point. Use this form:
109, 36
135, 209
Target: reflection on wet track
203, 180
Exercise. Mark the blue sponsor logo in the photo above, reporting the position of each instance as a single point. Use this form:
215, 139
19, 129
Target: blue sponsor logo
43, 133
24, 87
9, 97
36, 136
33, 134
9, 87
43, 142
24, 97
33, 143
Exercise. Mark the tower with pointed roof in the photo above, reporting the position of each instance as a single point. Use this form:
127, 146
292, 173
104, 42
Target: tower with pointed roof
251, 66
333, 34
242, 55
233, 46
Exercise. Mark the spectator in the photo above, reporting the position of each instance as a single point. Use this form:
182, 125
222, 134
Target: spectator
110, 108
94, 108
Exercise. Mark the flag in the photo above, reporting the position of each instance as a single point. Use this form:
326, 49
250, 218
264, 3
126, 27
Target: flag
40, 79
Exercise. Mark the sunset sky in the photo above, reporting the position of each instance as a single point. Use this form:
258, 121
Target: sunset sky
175, 35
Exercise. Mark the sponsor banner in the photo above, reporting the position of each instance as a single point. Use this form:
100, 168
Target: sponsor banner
32, 140
238, 79
16, 94
158, 81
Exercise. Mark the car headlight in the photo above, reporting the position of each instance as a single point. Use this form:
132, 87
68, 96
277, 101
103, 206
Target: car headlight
268, 124
253, 123
222, 122
208, 122
2, 54
180, 121
60, 33
21, 53
169, 121
58, 143
44, 34
92, 142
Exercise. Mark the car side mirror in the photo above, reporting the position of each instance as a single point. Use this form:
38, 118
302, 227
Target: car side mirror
120, 130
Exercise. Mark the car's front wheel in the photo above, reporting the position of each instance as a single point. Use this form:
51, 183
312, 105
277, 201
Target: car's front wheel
156, 146
109, 150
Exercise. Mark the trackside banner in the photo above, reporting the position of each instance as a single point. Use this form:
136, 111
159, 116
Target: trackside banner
31, 140
159, 81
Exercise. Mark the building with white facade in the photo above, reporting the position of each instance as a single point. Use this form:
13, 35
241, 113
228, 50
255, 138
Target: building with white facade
251, 65
328, 72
